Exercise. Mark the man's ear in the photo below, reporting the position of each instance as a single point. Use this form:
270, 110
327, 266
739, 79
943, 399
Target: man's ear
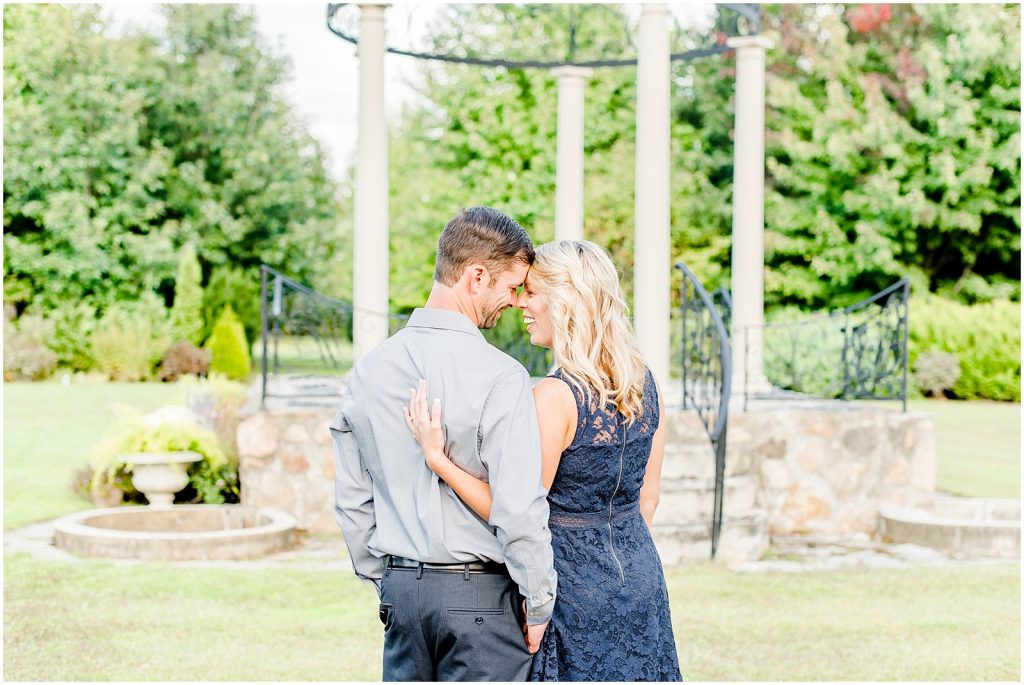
475, 277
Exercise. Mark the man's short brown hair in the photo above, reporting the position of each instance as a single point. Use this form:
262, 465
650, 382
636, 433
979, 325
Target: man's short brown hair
480, 235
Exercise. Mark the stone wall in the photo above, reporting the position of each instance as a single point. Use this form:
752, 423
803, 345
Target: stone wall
824, 469
829, 470
286, 461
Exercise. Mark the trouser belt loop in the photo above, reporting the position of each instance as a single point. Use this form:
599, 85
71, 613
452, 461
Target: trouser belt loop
465, 572
387, 565
419, 570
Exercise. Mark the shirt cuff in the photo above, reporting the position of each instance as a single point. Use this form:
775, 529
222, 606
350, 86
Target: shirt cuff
536, 615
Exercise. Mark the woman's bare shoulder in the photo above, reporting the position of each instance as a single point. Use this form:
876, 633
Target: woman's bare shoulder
553, 393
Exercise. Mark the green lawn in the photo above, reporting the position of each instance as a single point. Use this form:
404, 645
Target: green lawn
977, 446
96, 620
302, 355
49, 432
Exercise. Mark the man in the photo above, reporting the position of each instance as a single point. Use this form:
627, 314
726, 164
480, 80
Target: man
450, 582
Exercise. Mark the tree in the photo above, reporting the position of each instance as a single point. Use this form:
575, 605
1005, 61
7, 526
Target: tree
81, 183
892, 147
120, 150
187, 310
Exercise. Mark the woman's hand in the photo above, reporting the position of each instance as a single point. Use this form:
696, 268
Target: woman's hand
428, 429
425, 424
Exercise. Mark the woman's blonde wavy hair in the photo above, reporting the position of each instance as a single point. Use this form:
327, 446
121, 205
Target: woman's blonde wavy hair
592, 339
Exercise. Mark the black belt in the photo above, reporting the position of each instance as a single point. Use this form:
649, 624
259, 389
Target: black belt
465, 568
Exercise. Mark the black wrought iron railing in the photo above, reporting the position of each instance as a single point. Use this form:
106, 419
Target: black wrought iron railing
307, 334
303, 333
858, 352
707, 377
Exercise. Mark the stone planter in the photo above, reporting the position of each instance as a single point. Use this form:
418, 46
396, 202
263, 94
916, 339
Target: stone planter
159, 475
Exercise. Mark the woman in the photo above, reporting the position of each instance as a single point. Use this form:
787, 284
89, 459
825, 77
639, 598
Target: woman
602, 449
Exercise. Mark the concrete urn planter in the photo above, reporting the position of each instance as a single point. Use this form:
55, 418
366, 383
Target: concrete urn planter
159, 475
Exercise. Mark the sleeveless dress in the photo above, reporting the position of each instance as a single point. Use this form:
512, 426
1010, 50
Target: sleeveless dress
611, 618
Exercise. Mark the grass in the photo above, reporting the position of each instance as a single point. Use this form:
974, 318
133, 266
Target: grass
302, 355
96, 620
924, 623
977, 447
49, 432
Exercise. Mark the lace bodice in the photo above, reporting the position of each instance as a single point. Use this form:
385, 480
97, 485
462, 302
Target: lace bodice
595, 467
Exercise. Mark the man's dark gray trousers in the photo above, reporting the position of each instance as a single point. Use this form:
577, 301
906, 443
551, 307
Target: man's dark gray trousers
452, 626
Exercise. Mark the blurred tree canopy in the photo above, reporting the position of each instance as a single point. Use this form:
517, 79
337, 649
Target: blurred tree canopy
119, 150
893, 147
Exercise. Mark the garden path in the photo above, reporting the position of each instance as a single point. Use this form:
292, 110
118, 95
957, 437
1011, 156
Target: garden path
324, 551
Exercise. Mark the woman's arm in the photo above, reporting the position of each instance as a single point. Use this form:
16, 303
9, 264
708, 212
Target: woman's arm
556, 420
556, 417
650, 491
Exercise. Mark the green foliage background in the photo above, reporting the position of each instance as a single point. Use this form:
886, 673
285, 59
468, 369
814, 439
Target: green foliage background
119, 150
892, 149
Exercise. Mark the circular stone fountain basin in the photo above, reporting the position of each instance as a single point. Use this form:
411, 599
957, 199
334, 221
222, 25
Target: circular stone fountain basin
959, 526
176, 533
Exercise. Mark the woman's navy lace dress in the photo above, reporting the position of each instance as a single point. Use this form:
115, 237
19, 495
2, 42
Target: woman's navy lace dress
611, 619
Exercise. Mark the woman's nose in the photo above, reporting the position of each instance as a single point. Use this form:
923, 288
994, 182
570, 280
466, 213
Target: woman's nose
521, 300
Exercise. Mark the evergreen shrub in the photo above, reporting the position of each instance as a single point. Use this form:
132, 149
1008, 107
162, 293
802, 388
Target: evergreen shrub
73, 324
228, 346
239, 288
187, 310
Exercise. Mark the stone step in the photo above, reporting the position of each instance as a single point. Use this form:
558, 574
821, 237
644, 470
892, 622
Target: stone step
693, 499
962, 527
698, 461
684, 428
744, 537
689, 452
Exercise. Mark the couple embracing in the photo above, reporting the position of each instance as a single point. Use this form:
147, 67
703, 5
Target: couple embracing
505, 525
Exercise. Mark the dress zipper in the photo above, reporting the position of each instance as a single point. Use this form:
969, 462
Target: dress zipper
611, 503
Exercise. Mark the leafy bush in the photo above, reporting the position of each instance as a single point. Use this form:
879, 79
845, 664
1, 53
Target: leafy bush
936, 371
183, 359
510, 336
803, 357
130, 339
187, 310
984, 337
26, 356
239, 288
213, 480
229, 348
73, 324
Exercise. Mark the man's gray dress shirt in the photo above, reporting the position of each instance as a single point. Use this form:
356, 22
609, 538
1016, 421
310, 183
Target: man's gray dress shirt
387, 501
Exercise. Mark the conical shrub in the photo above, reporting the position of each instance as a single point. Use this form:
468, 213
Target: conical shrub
228, 346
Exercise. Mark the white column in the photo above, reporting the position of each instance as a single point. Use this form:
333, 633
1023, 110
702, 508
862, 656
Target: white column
748, 216
569, 162
370, 284
652, 260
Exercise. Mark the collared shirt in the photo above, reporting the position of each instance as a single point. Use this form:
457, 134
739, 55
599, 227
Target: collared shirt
387, 501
